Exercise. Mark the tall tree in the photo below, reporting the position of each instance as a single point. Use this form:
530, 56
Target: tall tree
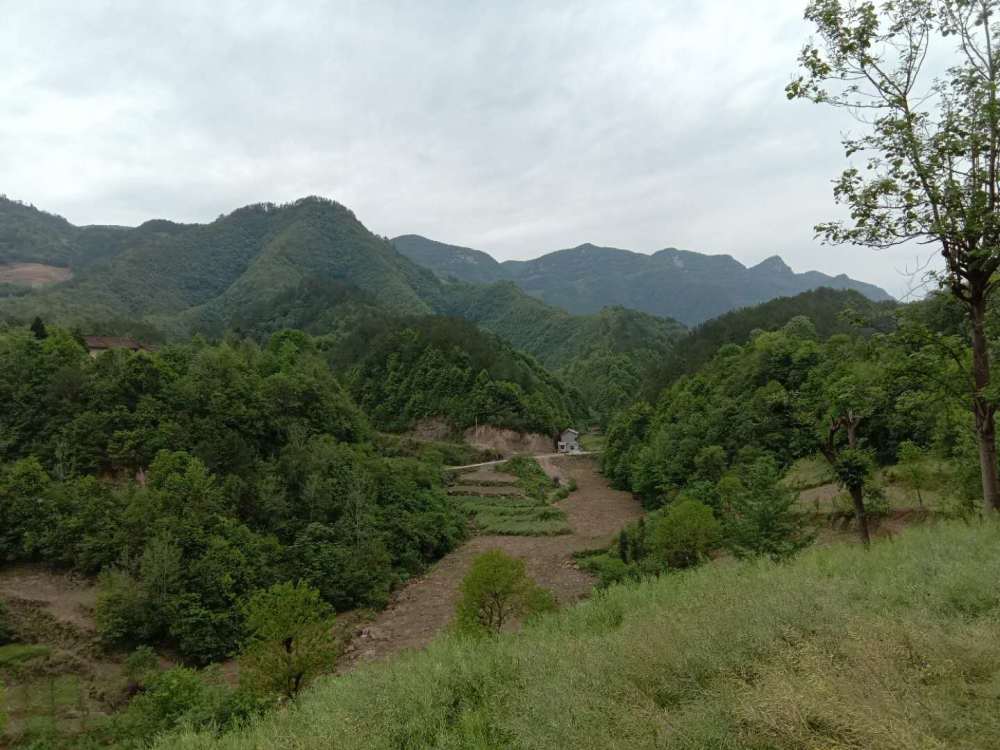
932, 145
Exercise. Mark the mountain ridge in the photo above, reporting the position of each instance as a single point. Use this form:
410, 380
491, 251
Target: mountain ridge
684, 285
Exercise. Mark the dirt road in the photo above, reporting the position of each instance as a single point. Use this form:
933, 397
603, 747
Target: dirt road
425, 606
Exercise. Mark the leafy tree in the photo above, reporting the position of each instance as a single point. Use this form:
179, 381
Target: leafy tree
912, 467
291, 639
760, 516
495, 591
685, 533
38, 328
932, 148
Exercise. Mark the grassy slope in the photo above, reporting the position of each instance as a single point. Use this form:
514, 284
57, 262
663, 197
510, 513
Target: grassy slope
895, 648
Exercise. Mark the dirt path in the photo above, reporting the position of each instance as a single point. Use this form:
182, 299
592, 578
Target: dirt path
537, 458
424, 607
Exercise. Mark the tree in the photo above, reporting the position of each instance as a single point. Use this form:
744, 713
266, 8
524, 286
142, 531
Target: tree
913, 467
841, 395
291, 639
685, 534
38, 329
933, 148
495, 591
760, 513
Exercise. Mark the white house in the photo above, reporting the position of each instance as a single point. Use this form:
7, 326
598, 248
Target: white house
569, 441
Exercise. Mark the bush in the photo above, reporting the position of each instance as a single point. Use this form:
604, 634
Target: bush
761, 518
686, 532
496, 591
291, 640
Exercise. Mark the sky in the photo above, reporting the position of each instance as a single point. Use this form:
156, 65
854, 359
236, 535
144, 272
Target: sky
512, 127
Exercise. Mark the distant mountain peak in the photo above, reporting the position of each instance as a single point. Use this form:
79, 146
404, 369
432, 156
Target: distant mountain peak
776, 265
687, 286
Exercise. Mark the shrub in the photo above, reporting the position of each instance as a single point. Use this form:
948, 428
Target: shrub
291, 640
685, 534
496, 591
761, 518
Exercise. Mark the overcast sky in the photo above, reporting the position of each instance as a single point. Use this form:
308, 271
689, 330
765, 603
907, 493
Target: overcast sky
512, 127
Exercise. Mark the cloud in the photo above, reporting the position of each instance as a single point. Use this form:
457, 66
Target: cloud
515, 127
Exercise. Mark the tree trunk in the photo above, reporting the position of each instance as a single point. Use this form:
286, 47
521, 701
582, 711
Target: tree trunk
860, 515
983, 410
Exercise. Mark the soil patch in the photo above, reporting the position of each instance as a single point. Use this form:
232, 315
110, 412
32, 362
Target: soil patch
508, 443
33, 274
426, 605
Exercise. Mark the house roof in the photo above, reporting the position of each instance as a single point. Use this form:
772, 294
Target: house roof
569, 430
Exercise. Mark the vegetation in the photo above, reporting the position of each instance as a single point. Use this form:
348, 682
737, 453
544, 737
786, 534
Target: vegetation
496, 592
674, 284
235, 468
932, 150
291, 640
751, 654
447, 368
831, 311
786, 395
528, 512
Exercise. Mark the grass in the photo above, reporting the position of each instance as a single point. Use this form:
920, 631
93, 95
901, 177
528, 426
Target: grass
807, 473
897, 648
514, 516
15, 654
531, 478
592, 441
527, 514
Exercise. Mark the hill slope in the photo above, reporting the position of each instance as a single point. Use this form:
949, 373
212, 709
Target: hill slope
309, 264
824, 307
686, 286
892, 648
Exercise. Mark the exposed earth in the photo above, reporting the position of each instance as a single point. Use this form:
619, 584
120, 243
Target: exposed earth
425, 606
33, 274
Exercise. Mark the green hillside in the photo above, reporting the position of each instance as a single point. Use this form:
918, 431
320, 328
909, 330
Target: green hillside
888, 649
554, 336
686, 286
309, 264
830, 310
201, 276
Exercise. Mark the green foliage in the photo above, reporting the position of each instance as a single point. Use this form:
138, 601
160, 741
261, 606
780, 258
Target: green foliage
687, 286
496, 591
531, 478
291, 640
913, 468
730, 656
179, 697
444, 367
853, 467
760, 516
830, 311
685, 534
252, 466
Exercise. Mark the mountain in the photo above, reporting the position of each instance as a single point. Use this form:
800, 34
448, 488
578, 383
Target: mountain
831, 311
685, 286
450, 261
310, 264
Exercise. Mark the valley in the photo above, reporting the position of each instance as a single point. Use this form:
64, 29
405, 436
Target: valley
424, 608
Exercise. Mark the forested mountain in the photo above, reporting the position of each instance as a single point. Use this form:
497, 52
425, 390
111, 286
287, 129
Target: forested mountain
309, 265
403, 371
202, 275
686, 286
830, 310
